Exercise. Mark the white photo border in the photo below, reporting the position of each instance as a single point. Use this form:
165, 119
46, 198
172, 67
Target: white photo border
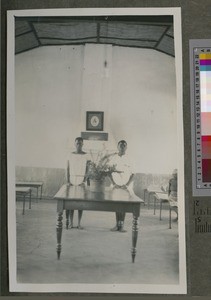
14, 286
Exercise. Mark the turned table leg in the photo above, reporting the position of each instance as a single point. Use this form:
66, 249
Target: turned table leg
134, 237
59, 233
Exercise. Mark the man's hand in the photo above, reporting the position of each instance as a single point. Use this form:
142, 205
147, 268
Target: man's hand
124, 187
116, 186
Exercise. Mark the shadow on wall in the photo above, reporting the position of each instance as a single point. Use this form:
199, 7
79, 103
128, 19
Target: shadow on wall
54, 178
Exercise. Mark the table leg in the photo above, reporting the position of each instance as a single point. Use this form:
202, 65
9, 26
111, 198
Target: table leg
37, 193
134, 237
169, 216
154, 204
41, 192
148, 198
30, 198
59, 233
145, 196
67, 218
24, 204
160, 208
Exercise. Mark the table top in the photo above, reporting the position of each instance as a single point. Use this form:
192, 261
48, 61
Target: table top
22, 190
163, 196
155, 189
29, 183
83, 193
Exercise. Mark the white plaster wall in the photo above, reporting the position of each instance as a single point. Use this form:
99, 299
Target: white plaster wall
48, 80
144, 107
141, 104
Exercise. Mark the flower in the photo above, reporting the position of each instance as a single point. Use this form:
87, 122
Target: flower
99, 168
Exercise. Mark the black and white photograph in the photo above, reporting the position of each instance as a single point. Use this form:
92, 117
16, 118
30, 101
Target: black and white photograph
95, 151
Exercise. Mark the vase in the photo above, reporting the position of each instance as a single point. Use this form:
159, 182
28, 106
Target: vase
97, 186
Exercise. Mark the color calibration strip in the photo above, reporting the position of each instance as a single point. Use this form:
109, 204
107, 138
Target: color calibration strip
205, 87
205, 95
202, 120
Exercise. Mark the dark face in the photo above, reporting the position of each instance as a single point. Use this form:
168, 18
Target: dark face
122, 147
78, 145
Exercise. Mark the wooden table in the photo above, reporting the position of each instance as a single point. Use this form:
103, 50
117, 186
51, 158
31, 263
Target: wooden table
23, 192
31, 184
113, 200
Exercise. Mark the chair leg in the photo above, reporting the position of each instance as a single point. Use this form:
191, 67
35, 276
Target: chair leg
169, 217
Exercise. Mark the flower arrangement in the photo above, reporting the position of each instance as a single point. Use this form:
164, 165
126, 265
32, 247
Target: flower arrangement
99, 168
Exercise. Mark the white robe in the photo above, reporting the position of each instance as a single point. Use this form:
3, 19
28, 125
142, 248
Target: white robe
77, 167
123, 164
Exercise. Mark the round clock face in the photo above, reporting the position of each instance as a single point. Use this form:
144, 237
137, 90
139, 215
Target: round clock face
94, 121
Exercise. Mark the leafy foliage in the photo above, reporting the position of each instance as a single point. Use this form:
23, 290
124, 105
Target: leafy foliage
99, 168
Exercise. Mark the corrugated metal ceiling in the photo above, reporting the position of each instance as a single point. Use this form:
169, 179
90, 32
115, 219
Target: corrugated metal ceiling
154, 32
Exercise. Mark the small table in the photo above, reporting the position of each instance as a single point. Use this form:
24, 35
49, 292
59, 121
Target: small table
112, 200
23, 192
31, 184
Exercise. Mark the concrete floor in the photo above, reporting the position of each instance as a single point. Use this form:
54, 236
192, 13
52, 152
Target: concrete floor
95, 254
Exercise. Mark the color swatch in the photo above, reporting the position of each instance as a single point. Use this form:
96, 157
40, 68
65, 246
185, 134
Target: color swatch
205, 101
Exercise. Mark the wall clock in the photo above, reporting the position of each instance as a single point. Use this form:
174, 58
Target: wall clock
94, 120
